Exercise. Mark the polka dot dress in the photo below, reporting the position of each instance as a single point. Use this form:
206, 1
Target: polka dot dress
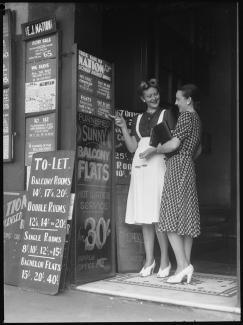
179, 211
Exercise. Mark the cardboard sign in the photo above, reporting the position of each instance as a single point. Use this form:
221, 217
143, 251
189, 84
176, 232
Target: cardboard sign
15, 204
40, 135
47, 213
41, 48
122, 155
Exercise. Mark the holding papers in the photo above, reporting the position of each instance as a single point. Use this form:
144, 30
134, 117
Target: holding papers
160, 134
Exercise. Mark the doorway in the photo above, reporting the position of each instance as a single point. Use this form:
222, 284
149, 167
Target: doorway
180, 43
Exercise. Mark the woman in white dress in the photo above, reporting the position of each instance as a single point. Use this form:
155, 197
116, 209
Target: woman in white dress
147, 177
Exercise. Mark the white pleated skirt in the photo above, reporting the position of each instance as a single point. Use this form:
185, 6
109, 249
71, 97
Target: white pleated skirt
146, 185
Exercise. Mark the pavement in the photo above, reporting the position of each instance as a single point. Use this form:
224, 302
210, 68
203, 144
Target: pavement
71, 305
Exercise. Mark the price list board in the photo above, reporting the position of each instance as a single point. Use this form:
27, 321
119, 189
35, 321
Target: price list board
7, 86
94, 85
41, 86
122, 156
46, 221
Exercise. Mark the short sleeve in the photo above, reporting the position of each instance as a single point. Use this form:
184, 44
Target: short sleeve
183, 127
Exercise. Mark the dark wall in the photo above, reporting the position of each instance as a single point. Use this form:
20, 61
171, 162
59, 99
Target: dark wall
14, 172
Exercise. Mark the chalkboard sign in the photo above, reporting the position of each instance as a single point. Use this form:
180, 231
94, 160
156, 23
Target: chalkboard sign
123, 156
46, 221
15, 204
40, 135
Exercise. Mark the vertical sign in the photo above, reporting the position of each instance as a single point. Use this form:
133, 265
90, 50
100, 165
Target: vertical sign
94, 217
93, 194
46, 222
7, 87
41, 86
15, 204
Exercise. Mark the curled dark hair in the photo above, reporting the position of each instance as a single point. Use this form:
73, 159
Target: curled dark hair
191, 90
144, 85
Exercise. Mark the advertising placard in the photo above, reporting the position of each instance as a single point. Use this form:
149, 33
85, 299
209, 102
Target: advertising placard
94, 87
40, 135
14, 210
41, 48
45, 228
93, 195
94, 66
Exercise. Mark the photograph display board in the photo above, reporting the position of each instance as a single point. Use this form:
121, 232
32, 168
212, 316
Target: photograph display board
94, 85
7, 86
40, 135
41, 86
122, 155
93, 198
14, 210
46, 222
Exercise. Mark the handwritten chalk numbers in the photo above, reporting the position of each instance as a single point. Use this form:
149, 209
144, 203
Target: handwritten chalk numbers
52, 279
97, 234
25, 274
33, 222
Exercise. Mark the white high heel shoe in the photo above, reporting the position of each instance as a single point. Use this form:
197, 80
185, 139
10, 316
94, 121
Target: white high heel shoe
163, 273
149, 270
177, 278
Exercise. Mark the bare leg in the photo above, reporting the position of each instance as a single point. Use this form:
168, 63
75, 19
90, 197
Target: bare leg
188, 247
177, 244
163, 244
148, 238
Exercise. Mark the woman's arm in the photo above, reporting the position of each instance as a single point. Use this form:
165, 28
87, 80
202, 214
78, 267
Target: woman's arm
167, 147
130, 141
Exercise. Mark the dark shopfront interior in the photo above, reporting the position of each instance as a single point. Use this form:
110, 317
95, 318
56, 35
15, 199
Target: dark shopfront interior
177, 42
183, 43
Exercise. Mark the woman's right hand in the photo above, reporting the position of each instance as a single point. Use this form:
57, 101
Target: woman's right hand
119, 121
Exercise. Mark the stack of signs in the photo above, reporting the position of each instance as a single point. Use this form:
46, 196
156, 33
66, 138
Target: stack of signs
45, 230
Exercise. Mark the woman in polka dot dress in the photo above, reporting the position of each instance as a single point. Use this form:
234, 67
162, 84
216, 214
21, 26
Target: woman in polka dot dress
179, 212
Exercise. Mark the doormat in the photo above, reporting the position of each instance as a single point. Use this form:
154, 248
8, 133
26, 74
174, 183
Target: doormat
209, 284
206, 291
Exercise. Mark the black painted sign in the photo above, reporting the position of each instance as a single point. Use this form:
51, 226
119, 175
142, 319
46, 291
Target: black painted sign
41, 48
93, 86
38, 28
93, 195
47, 213
40, 135
123, 156
15, 204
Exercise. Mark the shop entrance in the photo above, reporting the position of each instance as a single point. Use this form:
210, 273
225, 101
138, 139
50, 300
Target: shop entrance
177, 44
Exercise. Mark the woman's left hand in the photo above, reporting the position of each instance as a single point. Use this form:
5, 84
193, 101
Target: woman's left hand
147, 153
